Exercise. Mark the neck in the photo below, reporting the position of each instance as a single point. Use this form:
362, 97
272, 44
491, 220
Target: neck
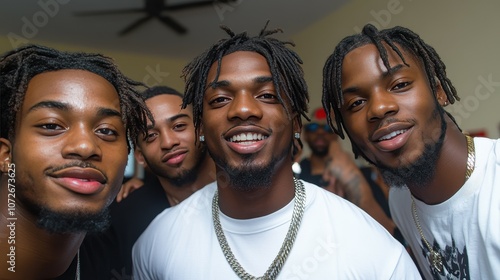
241, 204
204, 176
449, 171
36, 253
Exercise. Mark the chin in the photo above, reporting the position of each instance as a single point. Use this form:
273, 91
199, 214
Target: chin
73, 220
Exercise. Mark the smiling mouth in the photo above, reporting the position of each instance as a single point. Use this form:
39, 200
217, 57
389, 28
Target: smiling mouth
246, 138
392, 134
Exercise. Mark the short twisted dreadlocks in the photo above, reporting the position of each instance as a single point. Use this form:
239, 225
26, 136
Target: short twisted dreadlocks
284, 64
398, 36
19, 66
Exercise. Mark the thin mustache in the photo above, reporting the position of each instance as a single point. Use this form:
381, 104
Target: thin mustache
388, 121
81, 164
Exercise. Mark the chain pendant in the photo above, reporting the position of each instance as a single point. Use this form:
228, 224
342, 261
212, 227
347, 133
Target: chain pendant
435, 260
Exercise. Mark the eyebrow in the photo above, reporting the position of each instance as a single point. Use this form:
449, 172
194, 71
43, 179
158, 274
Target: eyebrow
392, 70
101, 111
171, 119
385, 74
226, 83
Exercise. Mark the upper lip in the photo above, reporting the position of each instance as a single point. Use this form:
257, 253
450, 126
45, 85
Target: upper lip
172, 154
245, 129
80, 173
385, 130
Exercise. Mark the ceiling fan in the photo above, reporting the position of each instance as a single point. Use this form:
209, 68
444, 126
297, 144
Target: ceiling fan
153, 10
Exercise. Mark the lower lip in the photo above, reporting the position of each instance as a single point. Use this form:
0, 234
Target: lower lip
249, 148
394, 143
176, 159
80, 186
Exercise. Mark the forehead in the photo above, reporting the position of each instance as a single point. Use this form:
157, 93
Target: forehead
77, 88
239, 62
370, 55
167, 105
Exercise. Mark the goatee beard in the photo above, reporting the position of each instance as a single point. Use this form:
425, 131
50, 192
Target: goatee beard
73, 222
249, 176
422, 171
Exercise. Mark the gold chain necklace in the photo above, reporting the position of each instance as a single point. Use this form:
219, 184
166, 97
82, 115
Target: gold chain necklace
77, 276
275, 268
434, 257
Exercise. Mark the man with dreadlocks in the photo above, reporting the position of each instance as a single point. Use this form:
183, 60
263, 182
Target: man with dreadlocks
248, 96
387, 90
66, 122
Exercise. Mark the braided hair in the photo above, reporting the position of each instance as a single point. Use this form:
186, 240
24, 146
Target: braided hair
284, 64
395, 38
19, 66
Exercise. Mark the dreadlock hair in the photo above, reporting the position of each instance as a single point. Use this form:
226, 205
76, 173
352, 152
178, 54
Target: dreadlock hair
284, 64
19, 66
395, 38
159, 90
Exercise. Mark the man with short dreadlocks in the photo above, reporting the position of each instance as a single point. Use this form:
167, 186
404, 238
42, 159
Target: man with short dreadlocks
66, 123
256, 221
387, 90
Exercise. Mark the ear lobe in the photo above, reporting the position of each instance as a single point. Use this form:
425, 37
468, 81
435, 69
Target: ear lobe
5, 154
440, 94
139, 157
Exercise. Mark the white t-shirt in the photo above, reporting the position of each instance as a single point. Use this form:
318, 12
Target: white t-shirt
465, 229
336, 240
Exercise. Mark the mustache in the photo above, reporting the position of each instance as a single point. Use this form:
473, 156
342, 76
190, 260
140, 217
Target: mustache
81, 164
390, 120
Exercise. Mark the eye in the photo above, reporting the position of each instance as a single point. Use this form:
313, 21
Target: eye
269, 97
180, 126
355, 104
50, 129
107, 131
107, 134
401, 85
151, 136
218, 100
51, 126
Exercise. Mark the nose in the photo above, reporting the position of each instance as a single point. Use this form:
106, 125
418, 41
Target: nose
381, 104
168, 139
244, 106
82, 143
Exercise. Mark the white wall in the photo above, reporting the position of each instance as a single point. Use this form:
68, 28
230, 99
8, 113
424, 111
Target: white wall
466, 34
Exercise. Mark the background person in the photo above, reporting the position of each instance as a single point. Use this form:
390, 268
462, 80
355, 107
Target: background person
176, 166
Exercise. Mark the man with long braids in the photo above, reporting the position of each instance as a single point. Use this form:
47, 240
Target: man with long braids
66, 123
248, 96
387, 90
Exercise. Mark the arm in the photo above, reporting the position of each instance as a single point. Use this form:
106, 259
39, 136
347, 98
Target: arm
128, 187
346, 179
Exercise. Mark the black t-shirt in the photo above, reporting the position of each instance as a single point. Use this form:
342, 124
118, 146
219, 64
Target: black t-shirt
108, 255
305, 174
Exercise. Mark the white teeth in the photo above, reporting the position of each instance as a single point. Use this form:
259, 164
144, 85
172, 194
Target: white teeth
392, 134
243, 137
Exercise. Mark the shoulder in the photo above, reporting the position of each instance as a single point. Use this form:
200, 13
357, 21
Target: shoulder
174, 219
332, 207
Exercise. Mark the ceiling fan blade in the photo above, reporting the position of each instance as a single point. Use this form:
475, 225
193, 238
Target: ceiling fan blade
134, 25
193, 4
109, 12
173, 24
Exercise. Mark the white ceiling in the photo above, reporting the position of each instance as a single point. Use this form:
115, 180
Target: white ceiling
55, 21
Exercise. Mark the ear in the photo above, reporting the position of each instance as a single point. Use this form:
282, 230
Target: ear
297, 127
139, 157
5, 154
440, 94
200, 132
